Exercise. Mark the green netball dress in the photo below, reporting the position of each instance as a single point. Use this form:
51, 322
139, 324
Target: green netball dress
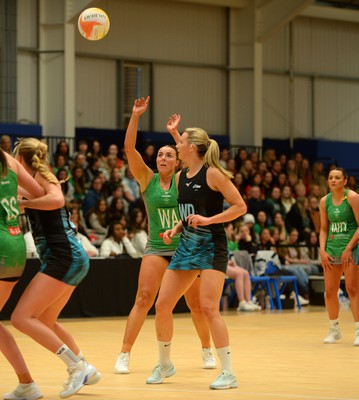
12, 243
342, 226
162, 210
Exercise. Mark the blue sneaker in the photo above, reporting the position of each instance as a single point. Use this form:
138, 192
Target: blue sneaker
160, 372
225, 380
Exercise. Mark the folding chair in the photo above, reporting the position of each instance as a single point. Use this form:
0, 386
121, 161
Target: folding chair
278, 289
263, 282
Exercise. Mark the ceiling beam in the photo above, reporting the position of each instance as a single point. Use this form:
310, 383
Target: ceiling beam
333, 13
218, 3
273, 15
73, 8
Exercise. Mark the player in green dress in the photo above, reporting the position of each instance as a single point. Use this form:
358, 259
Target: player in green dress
12, 264
339, 215
159, 192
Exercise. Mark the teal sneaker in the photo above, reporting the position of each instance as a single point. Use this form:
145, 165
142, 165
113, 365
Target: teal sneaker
225, 380
160, 372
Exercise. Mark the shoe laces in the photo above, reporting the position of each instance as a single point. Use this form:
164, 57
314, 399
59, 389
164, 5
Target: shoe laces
333, 330
73, 371
207, 353
160, 369
123, 358
156, 372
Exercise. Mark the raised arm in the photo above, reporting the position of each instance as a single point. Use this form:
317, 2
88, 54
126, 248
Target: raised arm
172, 126
139, 169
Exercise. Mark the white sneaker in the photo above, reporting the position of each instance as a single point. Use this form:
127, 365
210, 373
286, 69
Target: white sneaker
334, 334
356, 341
79, 374
302, 300
122, 363
255, 306
92, 380
244, 306
24, 391
225, 380
160, 372
209, 360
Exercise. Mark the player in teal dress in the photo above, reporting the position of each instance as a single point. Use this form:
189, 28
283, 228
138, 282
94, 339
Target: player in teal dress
64, 263
202, 185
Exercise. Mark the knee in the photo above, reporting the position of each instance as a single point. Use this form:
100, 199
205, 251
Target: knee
246, 274
144, 300
331, 292
18, 321
352, 289
209, 310
162, 308
195, 307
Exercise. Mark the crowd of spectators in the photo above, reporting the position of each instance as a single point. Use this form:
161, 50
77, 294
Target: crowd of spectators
282, 194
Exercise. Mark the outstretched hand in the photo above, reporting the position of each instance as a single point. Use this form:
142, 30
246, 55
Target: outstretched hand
173, 123
140, 105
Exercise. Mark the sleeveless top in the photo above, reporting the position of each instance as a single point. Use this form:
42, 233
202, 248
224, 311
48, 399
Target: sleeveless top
53, 233
12, 243
162, 212
205, 247
342, 225
196, 197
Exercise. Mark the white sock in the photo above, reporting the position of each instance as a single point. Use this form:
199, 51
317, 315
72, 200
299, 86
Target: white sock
334, 322
66, 355
224, 354
25, 385
164, 351
81, 356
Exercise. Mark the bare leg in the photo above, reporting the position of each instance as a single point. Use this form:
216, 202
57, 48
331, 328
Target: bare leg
8, 345
199, 321
352, 284
211, 290
151, 273
174, 285
234, 272
32, 305
49, 318
332, 278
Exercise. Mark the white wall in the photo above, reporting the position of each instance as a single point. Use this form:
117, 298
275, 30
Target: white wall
325, 67
186, 44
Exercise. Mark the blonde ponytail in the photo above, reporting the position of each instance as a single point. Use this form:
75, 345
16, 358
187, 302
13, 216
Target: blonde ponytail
207, 148
34, 154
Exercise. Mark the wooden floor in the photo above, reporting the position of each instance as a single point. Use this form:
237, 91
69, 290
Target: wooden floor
275, 355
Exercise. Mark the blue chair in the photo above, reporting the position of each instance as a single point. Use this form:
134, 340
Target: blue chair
263, 282
279, 283
227, 283
259, 283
